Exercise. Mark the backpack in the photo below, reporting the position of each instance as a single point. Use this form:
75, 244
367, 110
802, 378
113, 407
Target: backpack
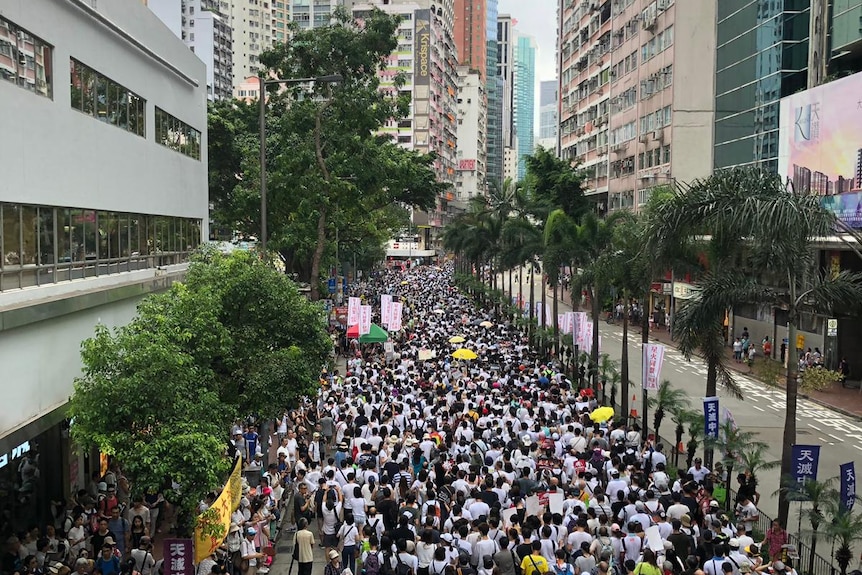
372, 564
402, 568
386, 564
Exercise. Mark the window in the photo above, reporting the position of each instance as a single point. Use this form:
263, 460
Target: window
175, 134
25, 60
46, 244
666, 154
104, 99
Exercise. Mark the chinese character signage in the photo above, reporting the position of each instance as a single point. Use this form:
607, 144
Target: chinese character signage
364, 319
710, 417
178, 557
395, 311
206, 525
848, 486
385, 310
466, 164
805, 459
818, 144
587, 343
653, 357
353, 304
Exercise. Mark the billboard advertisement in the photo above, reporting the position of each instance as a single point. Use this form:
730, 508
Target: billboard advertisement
422, 48
820, 145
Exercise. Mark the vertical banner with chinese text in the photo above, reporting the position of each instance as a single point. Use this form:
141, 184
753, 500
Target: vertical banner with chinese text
364, 319
178, 557
353, 304
385, 308
710, 417
848, 485
653, 357
395, 311
805, 460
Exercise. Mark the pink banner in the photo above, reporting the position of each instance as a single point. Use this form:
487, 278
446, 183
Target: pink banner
588, 337
364, 319
395, 316
385, 308
353, 304
653, 356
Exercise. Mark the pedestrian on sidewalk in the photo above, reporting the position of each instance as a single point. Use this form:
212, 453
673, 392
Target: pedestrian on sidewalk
303, 547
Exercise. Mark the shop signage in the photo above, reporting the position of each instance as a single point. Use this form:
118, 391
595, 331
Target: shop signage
682, 290
422, 48
467, 164
14, 453
832, 327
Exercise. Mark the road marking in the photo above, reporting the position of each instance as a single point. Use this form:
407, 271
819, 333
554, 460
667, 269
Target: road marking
815, 427
758, 408
857, 447
836, 438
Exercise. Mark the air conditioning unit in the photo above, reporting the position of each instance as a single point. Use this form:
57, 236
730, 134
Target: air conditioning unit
650, 24
643, 138
663, 4
648, 176
658, 135
665, 170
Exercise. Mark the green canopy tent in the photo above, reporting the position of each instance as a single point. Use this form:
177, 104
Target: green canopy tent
376, 335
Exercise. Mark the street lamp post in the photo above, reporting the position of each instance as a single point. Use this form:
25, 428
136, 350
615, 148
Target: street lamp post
331, 79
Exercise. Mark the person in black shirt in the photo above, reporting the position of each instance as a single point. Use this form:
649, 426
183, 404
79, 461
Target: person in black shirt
403, 531
388, 508
525, 548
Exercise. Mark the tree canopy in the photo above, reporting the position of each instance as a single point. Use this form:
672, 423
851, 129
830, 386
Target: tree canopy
236, 339
328, 162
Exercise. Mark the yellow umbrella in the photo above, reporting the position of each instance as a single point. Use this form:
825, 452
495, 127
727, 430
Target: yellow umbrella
464, 353
602, 414
405, 282
456, 339
486, 324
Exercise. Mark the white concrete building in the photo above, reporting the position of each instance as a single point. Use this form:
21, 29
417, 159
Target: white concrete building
104, 193
205, 30
472, 123
510, 164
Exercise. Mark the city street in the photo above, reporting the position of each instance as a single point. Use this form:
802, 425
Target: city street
761, 410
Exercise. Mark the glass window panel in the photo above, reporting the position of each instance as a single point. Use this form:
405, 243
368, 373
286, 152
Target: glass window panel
113, 235
123, 235
74, 83
142, 117
88, 79
47, 239
102, 235
11, 235
65, 247
151, 234
29, 235
101, 97
8, 51
136, 229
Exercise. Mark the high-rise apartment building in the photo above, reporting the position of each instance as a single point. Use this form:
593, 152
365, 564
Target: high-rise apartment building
314, 13
426, 54
471, 32
472, 133
506, 70
205, 30
524, 114
493, 90
628, 113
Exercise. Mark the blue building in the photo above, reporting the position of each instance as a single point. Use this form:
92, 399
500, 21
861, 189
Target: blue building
524, 115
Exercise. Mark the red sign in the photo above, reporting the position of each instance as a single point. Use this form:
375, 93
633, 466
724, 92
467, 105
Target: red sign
467, 164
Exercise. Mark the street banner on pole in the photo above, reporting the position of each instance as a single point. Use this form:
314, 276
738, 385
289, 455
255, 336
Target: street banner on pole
561, 322
848, 485
353, 304
364, 319
710, 417
539, 320
395, 316
385, 308
570, 322
588, 337
805, 460
653, 357
549, 319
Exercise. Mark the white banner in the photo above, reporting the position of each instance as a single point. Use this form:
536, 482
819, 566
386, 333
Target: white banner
396, 309
385, 308
561, 322
539, 320
653, 356
588, 337
549, 317
364, 319
353, 304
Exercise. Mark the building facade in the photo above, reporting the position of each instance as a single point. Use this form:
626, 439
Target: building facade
506, 71
524, 113
104, 211
471, 32
493, 90
472, 134
627, 113
548, 120
205, 30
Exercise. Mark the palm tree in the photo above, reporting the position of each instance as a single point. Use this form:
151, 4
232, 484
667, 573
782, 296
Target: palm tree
730, 443
765, 233
666, 398
845, 529
817, 494
609, 374
752, 460
695, 434
681, 416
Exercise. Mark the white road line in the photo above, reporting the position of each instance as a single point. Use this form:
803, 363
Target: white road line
815, 427
836, 438
758, 408
857, 447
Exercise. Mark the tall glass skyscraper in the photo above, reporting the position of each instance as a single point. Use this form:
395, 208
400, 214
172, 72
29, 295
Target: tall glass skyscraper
494, 91
525, 99
762, 56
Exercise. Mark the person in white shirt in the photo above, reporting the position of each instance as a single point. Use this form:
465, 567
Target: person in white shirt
698, 472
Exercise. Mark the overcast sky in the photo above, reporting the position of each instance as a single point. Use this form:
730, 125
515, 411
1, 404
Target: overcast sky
538, 18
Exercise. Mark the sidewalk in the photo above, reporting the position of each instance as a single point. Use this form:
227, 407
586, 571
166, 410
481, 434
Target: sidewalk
843, 400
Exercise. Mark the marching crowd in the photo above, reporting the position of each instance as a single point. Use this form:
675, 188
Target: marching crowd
416, 463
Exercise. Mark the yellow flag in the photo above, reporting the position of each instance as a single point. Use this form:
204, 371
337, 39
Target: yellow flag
211, 526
